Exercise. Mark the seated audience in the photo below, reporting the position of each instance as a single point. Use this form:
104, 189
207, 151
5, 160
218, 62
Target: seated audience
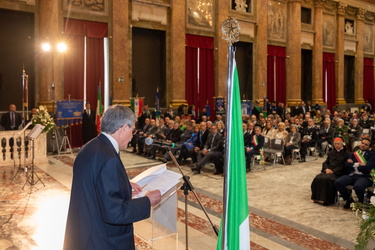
325, 137
268, 130
280, 133
360, 163
253, 147
212, 151
322, 187
309, 137
292, 141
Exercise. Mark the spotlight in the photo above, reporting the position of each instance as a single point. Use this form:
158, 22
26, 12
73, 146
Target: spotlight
46, 46
61, 47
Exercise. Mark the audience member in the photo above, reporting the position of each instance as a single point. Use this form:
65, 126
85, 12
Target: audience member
253, 147
88, 124
322, 187
360, 163
11, 120
212, 151
291, 142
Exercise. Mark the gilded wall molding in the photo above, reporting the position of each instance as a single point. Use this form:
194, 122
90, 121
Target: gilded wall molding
361, 14
341, 8
319, 3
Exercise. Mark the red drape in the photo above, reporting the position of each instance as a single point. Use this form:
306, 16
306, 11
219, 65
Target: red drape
200, 77
329, 80
368, 80
276, 73
75, 31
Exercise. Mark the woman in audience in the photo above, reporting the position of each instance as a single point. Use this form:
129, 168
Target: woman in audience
220, 128
280, 133
291, 142
322, 187
268, 130
318, 118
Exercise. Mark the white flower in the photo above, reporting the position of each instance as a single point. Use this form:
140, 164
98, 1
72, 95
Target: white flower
372, 200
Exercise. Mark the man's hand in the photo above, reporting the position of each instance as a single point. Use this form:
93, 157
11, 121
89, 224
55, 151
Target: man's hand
196, 149
136, 189
204, 151
329, 171
154, 197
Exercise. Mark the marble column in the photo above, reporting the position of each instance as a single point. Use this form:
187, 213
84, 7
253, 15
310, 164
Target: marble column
358, 95
317, 88
121, 91
221, 50
176, 86
340, 49
293, 79
260, 51
49, 63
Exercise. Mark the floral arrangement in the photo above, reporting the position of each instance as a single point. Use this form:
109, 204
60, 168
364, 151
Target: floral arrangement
42, 117
366, 214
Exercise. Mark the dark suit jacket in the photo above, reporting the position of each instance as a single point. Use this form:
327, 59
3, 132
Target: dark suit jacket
202, 138
216, 144
5, 121
260, 142
370, 158
102, 211
88, 125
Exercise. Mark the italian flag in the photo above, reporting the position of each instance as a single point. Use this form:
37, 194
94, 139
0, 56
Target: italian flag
136, 105
234, 231
99, 109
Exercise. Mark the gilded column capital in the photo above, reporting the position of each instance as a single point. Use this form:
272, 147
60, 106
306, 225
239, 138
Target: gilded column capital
361, 14
318, 3
341, 8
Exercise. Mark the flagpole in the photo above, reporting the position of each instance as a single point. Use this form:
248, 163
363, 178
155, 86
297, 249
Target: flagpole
231, 30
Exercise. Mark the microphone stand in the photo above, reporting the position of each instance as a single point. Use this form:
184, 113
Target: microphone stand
188, 186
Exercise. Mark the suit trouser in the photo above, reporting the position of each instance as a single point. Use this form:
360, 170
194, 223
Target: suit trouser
249, 155
212, 156
360, 183
304, 146
174, 150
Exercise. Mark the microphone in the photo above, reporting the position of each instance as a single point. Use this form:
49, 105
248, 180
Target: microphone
149, 141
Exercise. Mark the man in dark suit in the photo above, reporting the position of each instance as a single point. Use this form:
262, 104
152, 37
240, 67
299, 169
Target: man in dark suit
253, 146
325, 136
88, 124
309, 137
102, 211
212, 151
360, 164
11, 120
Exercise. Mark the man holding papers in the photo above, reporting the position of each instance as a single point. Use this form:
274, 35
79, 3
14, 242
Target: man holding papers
360, 164
102, 211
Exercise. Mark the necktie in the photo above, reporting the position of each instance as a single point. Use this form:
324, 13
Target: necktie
12, 121
212, 141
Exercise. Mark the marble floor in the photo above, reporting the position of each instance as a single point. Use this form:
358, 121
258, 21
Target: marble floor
282, 216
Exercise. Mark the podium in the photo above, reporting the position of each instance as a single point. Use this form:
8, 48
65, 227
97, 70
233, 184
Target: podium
160, 230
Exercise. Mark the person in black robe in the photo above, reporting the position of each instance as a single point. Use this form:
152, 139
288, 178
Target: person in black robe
322, 187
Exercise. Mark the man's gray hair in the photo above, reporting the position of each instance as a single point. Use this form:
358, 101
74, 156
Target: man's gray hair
115, 117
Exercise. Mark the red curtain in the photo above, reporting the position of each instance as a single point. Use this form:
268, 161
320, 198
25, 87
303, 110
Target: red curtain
200, 76
329, 80
75, 31
276, 74
368, 80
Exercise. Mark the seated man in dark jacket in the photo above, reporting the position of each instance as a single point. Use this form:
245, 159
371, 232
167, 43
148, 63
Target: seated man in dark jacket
173, 136
322, 187
253, 146
212, 151
360, 164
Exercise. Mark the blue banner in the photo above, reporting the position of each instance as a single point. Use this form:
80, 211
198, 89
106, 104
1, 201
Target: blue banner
220, 106
247, 107
69, 113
